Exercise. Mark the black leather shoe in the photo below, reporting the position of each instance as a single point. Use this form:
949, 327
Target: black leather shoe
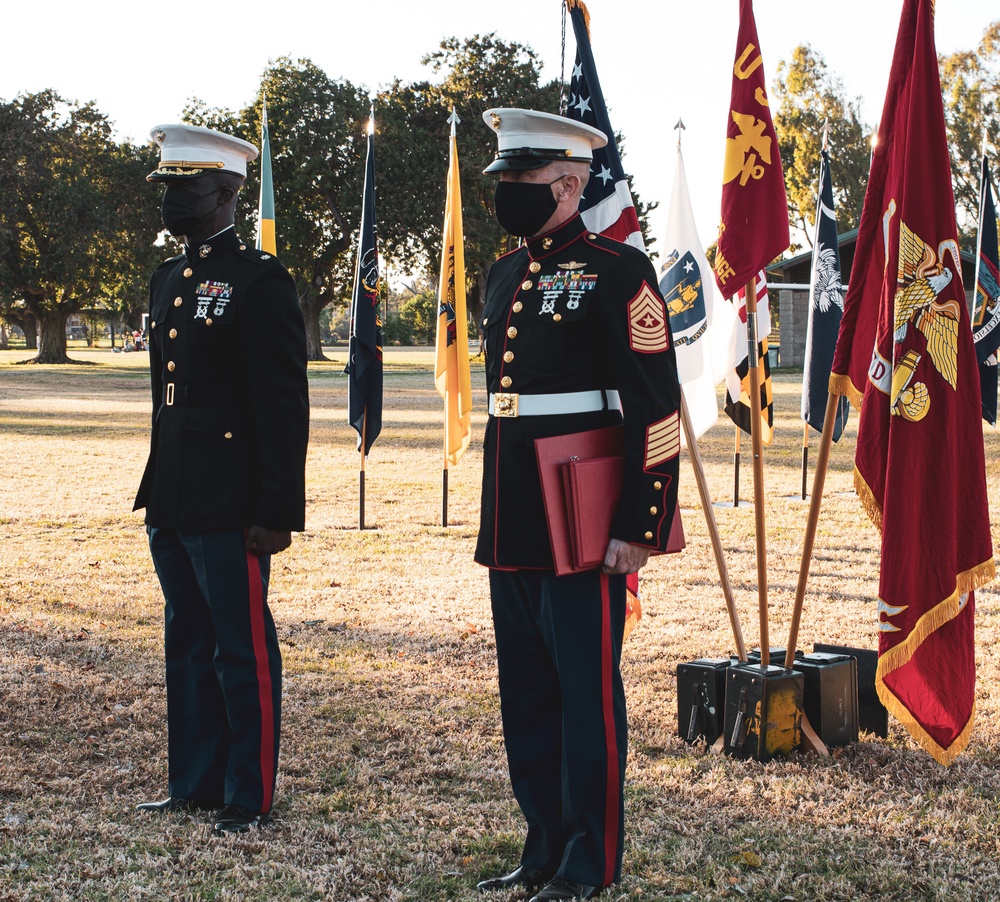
530, 878
234, 819
566, 890
171, 803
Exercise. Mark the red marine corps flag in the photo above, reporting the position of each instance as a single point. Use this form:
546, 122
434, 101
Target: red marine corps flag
754, 227
919, 468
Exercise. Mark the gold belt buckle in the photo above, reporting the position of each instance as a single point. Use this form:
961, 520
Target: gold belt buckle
170, 394
505, 404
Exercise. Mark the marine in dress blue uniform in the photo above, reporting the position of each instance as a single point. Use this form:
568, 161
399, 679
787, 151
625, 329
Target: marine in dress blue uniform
224, 485
577, 337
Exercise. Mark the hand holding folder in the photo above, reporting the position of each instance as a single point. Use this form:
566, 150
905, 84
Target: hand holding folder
582, 475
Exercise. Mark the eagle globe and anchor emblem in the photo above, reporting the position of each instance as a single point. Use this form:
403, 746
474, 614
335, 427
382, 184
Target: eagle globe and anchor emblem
922, 277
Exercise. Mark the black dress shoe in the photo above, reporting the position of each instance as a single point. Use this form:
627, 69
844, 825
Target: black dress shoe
171, 803
566, 890
235, 819
530, 878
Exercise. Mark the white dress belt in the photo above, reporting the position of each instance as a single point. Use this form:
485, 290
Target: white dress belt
510, 404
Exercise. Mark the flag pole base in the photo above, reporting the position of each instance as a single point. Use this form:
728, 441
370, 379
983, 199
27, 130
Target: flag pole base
810, 741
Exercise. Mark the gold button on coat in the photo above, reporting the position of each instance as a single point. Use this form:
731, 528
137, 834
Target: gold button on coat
171, 365
229, 435
505, 382
512, 332
188, 272
208, 322
649, 535
653, 510
535, 266
178, 302
526, 284
518, 307
486, 320
556, 317
173, 333
152, 325
508, 356
657, 485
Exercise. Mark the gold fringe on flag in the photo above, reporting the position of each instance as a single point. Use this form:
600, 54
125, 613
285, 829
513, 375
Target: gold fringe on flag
579, 4
900, 655
867, 499
842, 385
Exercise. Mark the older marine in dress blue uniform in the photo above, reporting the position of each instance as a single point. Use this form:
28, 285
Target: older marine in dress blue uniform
577, 337
224, 486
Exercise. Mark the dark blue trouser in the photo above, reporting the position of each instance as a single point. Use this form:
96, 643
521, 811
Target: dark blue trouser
562, 701
223, 668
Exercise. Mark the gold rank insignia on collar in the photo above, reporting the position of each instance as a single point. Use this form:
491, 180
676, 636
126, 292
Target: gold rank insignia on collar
204, 250
572, 265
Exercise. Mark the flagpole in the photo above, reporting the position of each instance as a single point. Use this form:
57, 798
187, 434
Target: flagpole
444, 474
713, 527
361, 473
819, 479
810, 738
758, 468
736, 470
805, 457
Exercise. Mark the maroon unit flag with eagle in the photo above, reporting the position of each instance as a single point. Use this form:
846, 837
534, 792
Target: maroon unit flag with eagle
905, 356
754, 227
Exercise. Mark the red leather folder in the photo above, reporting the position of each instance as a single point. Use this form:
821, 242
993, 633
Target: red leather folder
582, 475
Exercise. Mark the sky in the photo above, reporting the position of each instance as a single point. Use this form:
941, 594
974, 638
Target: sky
658, 60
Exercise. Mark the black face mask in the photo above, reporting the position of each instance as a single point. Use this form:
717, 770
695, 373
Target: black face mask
179, 210
522, 208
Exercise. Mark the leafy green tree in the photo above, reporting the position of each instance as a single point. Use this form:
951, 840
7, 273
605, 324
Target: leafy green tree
807, 94
318, 134
474, 75
970, 85
76, 221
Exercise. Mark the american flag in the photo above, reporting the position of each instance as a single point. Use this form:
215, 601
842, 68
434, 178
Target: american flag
607, 206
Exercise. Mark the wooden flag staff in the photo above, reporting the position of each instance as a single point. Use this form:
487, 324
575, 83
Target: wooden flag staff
713, 528
810, 739
758, 468
819, 479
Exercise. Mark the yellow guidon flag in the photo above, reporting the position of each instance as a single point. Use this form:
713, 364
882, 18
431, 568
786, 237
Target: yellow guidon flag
265, 211
451, 370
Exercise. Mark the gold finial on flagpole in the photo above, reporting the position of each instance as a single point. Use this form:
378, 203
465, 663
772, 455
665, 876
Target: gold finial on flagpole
680, 128
454, 119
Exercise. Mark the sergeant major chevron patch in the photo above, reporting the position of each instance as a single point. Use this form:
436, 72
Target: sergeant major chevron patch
647, 318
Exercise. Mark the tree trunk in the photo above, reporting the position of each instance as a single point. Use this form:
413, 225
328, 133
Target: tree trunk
52, 347
4, 336
29, 326
26, 322
311, 307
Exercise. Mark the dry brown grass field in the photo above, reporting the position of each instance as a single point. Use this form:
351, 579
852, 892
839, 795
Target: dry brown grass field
393, 782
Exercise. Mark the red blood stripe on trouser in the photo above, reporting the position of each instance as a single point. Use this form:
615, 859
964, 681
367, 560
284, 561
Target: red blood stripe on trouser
264, 692
611, 802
